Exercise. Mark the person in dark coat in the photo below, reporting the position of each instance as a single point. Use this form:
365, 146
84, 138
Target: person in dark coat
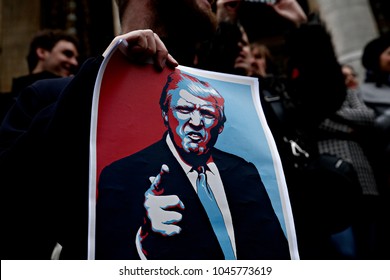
45, 163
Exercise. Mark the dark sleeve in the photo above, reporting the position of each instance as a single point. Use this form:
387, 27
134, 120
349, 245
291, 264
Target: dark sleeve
45, 172
67, 137
29, 104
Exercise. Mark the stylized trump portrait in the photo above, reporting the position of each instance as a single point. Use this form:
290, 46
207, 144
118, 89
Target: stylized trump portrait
176, 195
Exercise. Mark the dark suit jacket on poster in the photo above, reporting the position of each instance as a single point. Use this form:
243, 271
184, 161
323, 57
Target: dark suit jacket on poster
120, 210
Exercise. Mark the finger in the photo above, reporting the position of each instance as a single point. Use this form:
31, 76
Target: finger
171, 62
162, 57
139, 46
172, 201
165, 202
138, 38
156, 186
144, 47
167, 230
172, 217
156, 182
150, 48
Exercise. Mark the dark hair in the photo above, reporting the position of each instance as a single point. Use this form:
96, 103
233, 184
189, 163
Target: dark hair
371, 58
266, 53
47, 39
306, 69
220, 53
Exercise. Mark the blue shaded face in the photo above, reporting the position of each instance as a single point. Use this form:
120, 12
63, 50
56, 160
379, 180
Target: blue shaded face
193, 122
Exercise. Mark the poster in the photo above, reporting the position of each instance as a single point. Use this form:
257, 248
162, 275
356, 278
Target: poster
165, 144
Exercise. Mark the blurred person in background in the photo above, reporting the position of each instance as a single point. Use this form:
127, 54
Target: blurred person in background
376, 94
376, 61
351, 80
344, 134
228, 51
295, 101
263, 61
52, 54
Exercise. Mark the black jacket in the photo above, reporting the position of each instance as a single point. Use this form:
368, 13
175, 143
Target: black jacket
44, 158
120, 210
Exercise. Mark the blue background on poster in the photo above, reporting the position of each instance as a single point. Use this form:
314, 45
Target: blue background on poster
243, 135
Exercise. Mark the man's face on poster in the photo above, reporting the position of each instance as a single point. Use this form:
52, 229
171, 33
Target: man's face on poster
193, 122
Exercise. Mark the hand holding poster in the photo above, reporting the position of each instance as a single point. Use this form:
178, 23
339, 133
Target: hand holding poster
184, 167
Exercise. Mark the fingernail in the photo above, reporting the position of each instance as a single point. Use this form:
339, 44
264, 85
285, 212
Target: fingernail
162, 64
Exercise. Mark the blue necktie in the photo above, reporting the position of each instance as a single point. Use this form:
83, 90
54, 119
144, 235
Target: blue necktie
214, 213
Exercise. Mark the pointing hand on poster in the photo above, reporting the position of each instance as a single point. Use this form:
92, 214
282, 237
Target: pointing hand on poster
159, 207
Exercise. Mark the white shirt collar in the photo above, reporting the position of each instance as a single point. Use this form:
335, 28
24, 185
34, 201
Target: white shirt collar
214, 181
187, 168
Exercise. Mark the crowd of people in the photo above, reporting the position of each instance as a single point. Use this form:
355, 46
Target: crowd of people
331, 130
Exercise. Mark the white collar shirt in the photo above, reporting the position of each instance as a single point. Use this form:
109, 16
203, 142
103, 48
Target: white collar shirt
216, 185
